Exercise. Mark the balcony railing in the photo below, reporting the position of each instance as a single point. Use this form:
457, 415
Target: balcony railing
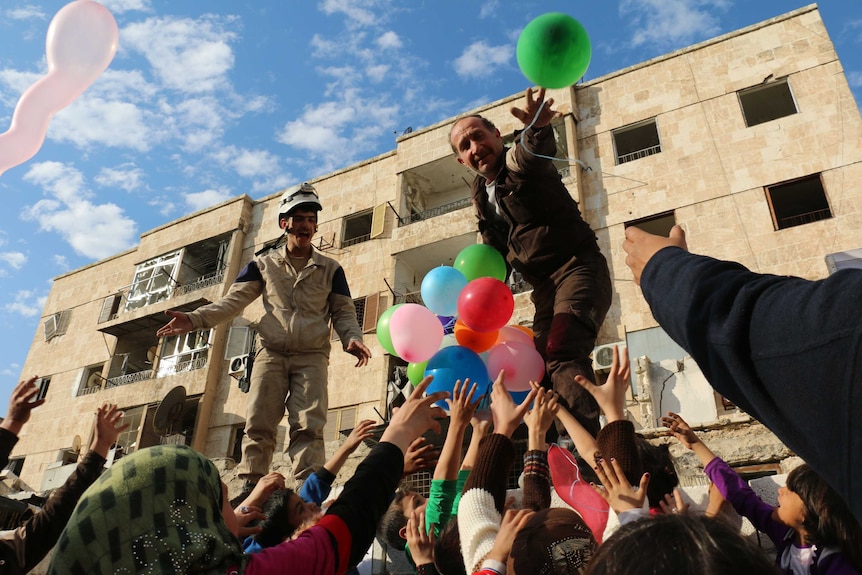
356, 240
129, 378
202, 282
638, 154
434, 212
517, 286
805, 218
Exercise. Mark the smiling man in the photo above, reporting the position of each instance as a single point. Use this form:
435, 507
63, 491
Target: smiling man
303, 291
528, 215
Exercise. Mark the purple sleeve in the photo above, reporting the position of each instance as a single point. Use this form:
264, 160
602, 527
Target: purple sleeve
744, 500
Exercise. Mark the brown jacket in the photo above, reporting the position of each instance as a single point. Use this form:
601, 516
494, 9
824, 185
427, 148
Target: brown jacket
541, 227
21, 549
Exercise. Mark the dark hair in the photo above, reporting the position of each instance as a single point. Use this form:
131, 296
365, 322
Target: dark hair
680, 544
485, 121
276, 527
392, 521
657, 461
447, 550
828, 521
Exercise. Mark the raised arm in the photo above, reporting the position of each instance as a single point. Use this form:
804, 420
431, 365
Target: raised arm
461, 410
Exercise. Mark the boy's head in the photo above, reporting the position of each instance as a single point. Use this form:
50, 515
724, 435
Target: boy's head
393, 524
285, 511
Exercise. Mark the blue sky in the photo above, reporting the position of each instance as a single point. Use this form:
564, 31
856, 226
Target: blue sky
210, 99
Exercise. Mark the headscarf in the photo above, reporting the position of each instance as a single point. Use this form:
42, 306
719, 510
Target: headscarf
157, 510
554, 541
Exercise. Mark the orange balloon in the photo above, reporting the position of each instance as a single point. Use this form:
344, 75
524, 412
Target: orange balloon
525, 329
477, 341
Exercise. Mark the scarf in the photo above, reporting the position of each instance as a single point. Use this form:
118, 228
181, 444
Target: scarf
157, 510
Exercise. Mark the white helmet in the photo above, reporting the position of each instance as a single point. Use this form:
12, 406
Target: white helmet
300, 195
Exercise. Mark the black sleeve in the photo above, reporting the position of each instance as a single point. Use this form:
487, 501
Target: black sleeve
7, 442
785, 349
367, 495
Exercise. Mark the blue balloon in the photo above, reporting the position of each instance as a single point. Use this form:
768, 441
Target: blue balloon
440, 290
454, 363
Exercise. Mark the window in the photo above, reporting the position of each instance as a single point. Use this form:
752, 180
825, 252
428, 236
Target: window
185, 352
239, 340
110, 307
658, 225
91, 380
154, 280
766, 102
57, 324
339, 420
42, 383
236, 444
128, 439
799, 202
368, 310
850, 259
636, 141
15, 465
357, 228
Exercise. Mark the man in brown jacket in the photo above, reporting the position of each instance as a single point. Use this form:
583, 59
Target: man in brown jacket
303, 291
528, 215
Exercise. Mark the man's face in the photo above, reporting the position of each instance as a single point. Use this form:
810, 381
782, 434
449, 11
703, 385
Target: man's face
477, 147
302, 225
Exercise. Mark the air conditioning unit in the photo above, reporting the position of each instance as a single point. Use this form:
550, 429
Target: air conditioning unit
237, 364
603, 356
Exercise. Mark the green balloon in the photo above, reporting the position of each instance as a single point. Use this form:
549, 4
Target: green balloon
554, 50
416, 372
479, 261
383, 335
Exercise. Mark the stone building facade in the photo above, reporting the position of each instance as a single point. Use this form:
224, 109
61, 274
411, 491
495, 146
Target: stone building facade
752, 141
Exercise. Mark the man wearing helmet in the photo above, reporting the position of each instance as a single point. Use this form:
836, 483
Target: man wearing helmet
303, 291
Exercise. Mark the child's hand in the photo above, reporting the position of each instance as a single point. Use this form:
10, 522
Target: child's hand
680, 429
264, 488
513, 521
108, 428
673, 504
616, 491
20, 405
416, 416
360, 433
461, 406
419, 540
545, 407
611, 396
420, 455
506, 415
246, 514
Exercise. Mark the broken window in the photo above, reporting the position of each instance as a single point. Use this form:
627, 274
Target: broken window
154, 280
798, 202
766, 102
636, 141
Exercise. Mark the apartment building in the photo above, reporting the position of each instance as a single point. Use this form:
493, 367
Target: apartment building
751, 140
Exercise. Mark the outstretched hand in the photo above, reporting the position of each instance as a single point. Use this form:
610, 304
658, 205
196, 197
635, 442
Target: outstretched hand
544, 412
506, 415
532, 106
420, 455
358, 349
179, 324
416, 416
461, 406
616, 490
419, 539
680, 429
108, 428
20, 405
611, 396
641, 246
363, 430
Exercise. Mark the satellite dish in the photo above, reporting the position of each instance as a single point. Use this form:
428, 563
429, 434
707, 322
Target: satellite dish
169, 413
76, 444
151, 354
94, 380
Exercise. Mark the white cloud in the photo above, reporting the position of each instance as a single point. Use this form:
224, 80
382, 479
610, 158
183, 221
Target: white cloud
27, 303
854, 79
127, 177
26, 13
190, 56
672, 22
358, 12
248, 163
61, 262
15, 260
389, 40
202, 200
377, 73
480, 60
93, 121
92, 230
120, 6
489, 8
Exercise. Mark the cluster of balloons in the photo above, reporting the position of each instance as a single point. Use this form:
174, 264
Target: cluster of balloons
461, 332
553, 50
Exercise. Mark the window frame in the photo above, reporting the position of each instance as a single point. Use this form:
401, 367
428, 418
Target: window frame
810, 216
620, 159
358, 238
770, 86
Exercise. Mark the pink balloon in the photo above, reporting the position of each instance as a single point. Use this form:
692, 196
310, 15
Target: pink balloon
510, 333
416, 332
572, 489
485, 304
521, 361
81, 42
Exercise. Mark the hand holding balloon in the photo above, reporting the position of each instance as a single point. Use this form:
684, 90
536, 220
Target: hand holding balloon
81, 42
